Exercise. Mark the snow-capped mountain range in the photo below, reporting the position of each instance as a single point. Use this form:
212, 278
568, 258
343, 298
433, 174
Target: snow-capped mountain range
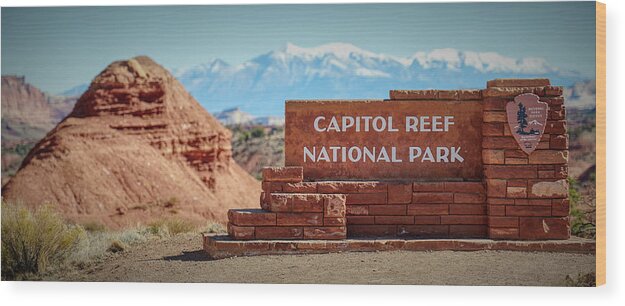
343, 71
235, 116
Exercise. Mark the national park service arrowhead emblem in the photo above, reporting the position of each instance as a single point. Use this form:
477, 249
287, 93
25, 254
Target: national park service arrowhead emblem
527, 117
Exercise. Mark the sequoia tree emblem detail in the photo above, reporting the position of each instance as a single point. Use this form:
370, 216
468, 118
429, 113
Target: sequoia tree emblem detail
527, 117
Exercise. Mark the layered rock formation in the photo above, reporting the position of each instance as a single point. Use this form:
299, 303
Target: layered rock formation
136, 147
22, 102
27, 112
27, 115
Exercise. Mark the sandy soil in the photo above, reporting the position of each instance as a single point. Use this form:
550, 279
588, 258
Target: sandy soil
181, 259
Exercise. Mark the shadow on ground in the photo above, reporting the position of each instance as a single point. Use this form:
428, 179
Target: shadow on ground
199, 255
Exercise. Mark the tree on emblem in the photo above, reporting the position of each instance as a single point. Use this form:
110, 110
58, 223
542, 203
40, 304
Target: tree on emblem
521, 117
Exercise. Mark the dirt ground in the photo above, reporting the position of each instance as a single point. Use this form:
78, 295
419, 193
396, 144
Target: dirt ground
181, 259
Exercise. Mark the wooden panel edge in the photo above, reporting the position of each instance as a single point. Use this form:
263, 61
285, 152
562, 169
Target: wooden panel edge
600, 66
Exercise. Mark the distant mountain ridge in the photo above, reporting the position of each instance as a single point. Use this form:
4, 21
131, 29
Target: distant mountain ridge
343, 71
75, 91
235, 115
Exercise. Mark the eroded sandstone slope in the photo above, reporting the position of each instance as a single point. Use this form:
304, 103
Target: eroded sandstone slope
136, 147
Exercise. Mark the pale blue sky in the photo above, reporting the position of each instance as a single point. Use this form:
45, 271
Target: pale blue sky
58, 48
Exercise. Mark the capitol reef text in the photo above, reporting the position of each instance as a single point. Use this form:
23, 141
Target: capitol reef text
382, 154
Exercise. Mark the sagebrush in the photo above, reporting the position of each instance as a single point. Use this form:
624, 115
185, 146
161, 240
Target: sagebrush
33, 240
40, 240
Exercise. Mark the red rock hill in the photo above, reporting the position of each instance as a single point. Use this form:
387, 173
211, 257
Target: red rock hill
135, 148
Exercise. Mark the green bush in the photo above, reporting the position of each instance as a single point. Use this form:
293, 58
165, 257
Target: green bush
23, 149
258, 132
244, 136
581, 223
32, 241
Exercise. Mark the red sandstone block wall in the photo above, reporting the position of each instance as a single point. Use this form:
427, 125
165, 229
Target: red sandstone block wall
389, 209
527, 195
521, 196
415, 209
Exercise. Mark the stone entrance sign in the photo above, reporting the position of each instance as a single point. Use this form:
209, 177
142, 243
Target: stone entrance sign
485, 163
377, 139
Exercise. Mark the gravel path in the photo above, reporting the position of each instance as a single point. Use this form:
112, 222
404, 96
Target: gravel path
180, 259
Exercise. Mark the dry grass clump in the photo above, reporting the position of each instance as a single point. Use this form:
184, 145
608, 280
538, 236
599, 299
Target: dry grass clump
34, 240
117, 246
214, 227
94, 227
39, 241
99, 243
170, 227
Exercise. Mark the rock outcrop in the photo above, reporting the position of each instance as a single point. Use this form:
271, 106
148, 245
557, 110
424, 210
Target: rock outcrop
23, 102
27, 112
27, 115
135, 148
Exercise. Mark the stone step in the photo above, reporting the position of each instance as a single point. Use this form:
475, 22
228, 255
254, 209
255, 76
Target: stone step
221, 246
292, 216
323, 220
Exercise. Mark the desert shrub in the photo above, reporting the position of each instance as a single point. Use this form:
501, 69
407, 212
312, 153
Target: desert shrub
94, 227
244, 136
98, 244
22, 149
158, 228
258, 132
574, 193
170, 227
179, 226
117, 246
34, 240
132, 236
582, 209
581, 280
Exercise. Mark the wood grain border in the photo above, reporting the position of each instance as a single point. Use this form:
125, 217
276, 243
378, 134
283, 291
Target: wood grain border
600, 66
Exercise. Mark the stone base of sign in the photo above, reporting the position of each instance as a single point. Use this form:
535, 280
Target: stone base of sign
222, 246
450, 209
